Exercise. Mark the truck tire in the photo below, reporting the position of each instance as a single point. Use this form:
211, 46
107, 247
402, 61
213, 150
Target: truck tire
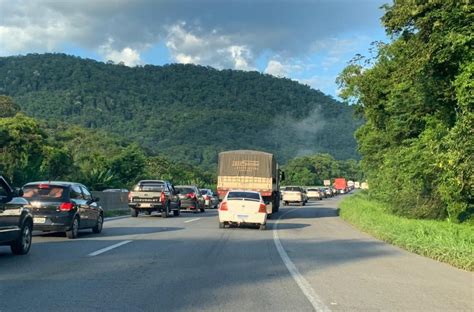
176, 212
133, 212
165, 212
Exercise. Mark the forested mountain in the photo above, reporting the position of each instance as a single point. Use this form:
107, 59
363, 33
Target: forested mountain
187, 112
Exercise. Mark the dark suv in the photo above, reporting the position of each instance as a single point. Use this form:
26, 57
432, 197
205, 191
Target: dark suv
16, 221
63, 207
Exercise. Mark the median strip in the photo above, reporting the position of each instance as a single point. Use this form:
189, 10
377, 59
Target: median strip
101, 251
195, 219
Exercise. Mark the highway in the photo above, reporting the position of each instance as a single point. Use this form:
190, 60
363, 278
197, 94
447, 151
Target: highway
309, 260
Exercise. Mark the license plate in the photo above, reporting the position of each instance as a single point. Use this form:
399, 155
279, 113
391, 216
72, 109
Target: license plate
145, 205
39, 220
242, 216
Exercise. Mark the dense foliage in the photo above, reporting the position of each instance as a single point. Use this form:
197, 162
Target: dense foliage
313, 169
186, 112
33, 150
417, 97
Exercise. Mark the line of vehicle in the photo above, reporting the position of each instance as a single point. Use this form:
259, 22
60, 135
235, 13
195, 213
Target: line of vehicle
101, 251
303, 284
192, 220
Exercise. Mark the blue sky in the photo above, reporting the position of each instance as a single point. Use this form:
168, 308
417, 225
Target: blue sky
310, 41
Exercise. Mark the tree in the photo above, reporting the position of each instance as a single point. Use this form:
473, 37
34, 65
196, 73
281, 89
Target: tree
8, 108
417, 98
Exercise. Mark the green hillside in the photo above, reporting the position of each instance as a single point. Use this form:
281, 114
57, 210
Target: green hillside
186, 112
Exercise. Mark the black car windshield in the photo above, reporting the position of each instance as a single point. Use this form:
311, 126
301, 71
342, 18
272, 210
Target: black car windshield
243, 195
158, 187
44, 192
185, 190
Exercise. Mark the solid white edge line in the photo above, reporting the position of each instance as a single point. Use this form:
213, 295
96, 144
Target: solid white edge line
195, 219
115, 218
304, 285
101, 251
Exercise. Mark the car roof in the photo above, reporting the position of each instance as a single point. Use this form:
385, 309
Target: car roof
246, 191
58, 183
151, 181
186, 186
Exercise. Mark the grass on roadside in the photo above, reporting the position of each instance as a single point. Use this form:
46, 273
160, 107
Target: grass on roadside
441, 240
116, 213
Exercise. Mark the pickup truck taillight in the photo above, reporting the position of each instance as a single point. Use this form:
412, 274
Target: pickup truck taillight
223, 206
162, 197
68, 206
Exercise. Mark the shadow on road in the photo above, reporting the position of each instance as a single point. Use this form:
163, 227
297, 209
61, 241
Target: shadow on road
308, 213
111, 231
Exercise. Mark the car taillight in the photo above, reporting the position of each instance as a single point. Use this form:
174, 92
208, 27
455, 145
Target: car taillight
191, 195
68, 206
162, 197
262, 208
206, 197
223, 206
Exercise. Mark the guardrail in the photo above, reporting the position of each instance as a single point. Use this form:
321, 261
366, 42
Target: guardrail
112, 200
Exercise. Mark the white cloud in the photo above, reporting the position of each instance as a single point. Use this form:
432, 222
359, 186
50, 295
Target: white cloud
280, 69
127, 55
212, 49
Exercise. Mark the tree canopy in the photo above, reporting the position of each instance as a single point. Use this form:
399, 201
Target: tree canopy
187, 112
417, 97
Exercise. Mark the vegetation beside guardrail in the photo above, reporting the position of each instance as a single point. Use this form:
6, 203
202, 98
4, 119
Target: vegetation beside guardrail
441, 240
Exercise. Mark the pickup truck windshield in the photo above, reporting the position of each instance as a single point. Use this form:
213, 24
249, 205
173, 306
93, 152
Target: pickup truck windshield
292, 189
155, 187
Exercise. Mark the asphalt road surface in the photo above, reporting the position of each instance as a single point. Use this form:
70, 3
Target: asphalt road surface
308, 260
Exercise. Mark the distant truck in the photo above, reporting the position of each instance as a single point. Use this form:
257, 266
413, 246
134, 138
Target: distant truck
252, 171
340, 184
357, 184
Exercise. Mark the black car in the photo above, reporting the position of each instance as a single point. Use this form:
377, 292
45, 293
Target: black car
16, 221
191, 198
63, 207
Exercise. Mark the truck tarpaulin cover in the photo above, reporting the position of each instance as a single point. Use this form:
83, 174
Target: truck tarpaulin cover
247, 163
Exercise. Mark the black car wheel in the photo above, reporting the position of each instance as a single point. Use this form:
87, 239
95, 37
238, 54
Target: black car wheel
22, 245
98, 227
74, 231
